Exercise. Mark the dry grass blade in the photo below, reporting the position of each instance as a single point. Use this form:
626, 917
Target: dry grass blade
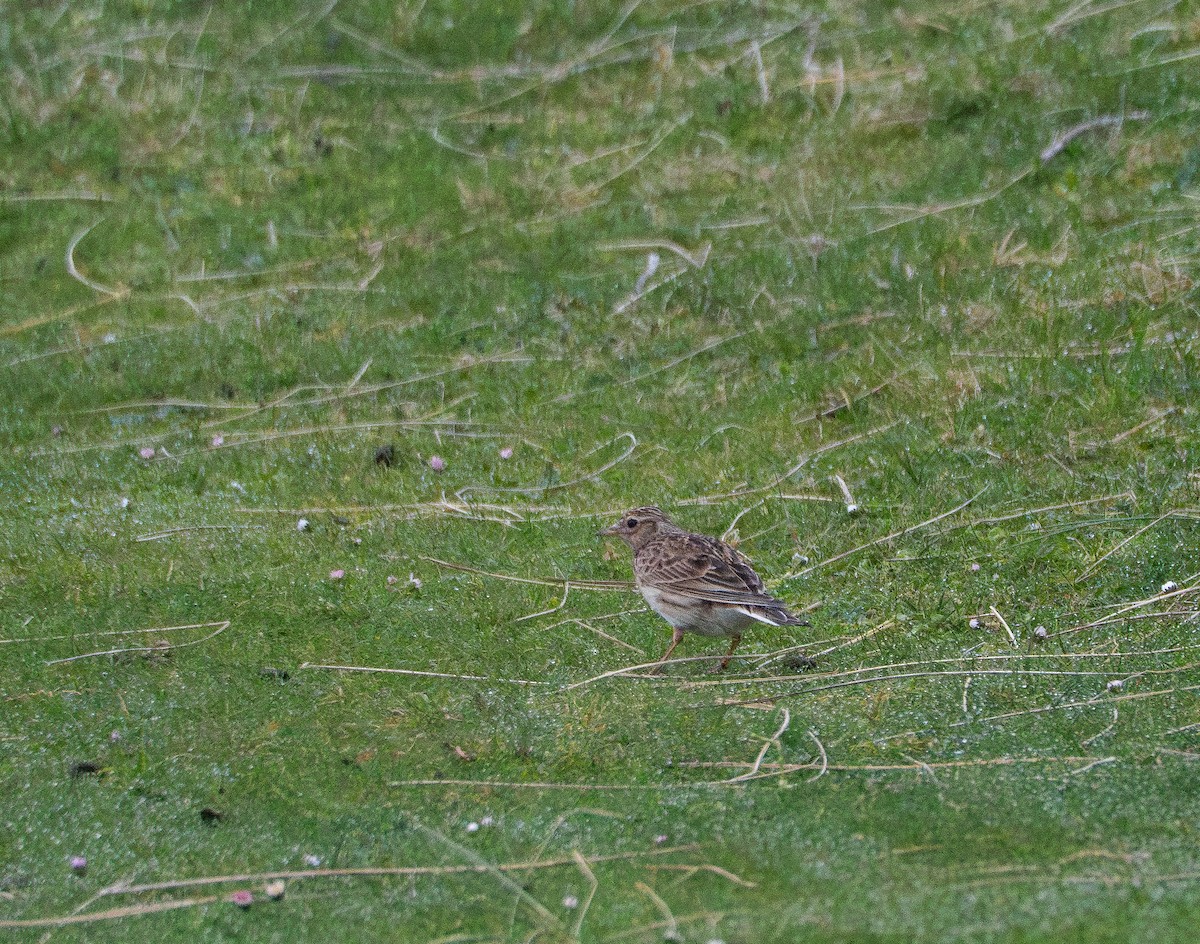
1082, 11
381, 871
773, 740
171, 532
111, 914
417, 672
554, 609
695, 259
542, 489
1003, 622
79, 276
949, 673
590, 877
824, 757
83, 196
489, 868
543, 581
584, 624
1055, 147
951, 660
1095, 565
629, 669
1029, 512
886, 539
779, 770
1123, 609
164, 648
805, 460
1087, 703
845, 401
703, 867
547, 785
165, 402
672, 926
913, 214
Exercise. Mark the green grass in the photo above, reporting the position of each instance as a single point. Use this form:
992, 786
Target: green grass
315, 231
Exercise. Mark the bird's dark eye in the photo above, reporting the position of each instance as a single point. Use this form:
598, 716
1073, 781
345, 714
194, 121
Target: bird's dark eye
631, 523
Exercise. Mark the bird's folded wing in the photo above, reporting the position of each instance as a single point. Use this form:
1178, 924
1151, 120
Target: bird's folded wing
718, 574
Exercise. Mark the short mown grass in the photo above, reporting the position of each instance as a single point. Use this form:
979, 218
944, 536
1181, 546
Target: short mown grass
899, 298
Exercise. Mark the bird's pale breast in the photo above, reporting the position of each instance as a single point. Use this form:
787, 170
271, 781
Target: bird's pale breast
696, 616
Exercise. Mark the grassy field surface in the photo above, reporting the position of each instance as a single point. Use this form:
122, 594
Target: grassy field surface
330, 333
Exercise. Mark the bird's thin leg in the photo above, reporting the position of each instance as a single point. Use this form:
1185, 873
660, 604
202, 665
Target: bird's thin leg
729, 655
675, 638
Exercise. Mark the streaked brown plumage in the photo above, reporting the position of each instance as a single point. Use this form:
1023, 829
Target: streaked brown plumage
696, 583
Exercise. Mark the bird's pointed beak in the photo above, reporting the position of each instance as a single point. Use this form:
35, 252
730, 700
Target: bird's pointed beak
611, 531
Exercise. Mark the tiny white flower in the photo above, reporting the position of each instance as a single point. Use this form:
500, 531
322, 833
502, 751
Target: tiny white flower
486, 821
974, 624
570, 901
472, 827
974, 568
414, 581
1040, 632
302, 524
1170, 586
311, 860
1115, 685
852, 509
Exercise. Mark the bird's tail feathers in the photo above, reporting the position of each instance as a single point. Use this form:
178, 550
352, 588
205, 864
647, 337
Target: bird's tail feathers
773, 616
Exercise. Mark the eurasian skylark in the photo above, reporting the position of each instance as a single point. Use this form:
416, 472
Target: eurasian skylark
697, 584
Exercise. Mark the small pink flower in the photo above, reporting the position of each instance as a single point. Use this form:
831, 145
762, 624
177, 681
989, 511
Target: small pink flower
242, 898
78, 865
974, 568
437, 463
659, 840
506, 452
392, 581
146, 452
218, 441
337, 574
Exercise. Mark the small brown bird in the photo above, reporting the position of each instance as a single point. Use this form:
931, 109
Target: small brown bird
697, 584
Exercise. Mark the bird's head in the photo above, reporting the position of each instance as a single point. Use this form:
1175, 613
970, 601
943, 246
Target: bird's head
639, 525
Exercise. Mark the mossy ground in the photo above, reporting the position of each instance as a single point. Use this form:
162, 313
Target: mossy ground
264, 240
